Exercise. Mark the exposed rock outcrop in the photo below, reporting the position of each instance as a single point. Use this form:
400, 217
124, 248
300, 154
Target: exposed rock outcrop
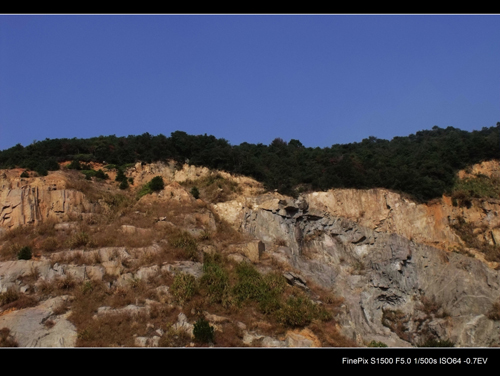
40, 327
26, 201
389, 258
381, 264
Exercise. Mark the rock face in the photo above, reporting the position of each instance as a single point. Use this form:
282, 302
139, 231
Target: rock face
30, 201
40, 327
397, 289
390, 259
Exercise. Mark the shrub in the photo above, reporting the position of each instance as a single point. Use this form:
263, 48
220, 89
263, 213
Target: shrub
203, 332
249, 283
195, 192
24, 254
89, 174
41, 171
376, 344
79, 239
174, 338
264, 289
297, 312
432, 342
184, 287
215, 280
480, 186
74, 165
269, 302
185, 241
100, 174
215, 188
120, 176
11, 295
49, 244
156, 184
123, 184
145, 190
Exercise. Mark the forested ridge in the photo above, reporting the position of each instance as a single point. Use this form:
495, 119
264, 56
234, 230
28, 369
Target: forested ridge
423, 164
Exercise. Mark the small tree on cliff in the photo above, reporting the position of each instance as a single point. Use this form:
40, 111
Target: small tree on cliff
156, 184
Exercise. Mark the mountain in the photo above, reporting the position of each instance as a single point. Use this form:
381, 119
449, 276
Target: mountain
219, 259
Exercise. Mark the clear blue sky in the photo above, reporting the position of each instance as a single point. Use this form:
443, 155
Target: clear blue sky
321, 79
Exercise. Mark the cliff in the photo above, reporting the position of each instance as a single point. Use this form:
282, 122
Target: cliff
401, 272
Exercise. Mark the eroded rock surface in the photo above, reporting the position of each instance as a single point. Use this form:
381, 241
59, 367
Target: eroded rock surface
388, 257
381, 273
40, 327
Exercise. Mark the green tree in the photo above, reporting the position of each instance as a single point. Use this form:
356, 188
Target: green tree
120, 176
156, 184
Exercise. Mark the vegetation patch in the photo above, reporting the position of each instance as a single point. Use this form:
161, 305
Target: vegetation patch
480, 186
423, 164
376, 344
184, 287
6, 339
397, 321
203, 332
433, 342
174, 338
215, 281
466, 232
494, 313
155, 185
300, 311
213, 188
185, 241
25, 253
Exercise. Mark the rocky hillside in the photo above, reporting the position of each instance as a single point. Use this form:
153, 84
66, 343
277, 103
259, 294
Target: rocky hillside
84, 263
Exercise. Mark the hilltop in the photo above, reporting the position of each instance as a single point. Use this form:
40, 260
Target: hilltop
422, 165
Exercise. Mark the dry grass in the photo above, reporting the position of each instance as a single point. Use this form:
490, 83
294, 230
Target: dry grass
13, 299
6, 340
58, 286
46, 228
329, 334
229, 335
494, 313
429, 305
14, 240
214, 188
225, 233
466, 232
49, 245
112, 330
397, 321
116, 329
76, 181
119, 329
175, 338
17, 233
280, 242
10, 250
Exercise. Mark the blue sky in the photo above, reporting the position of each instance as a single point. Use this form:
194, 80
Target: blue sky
321, 79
